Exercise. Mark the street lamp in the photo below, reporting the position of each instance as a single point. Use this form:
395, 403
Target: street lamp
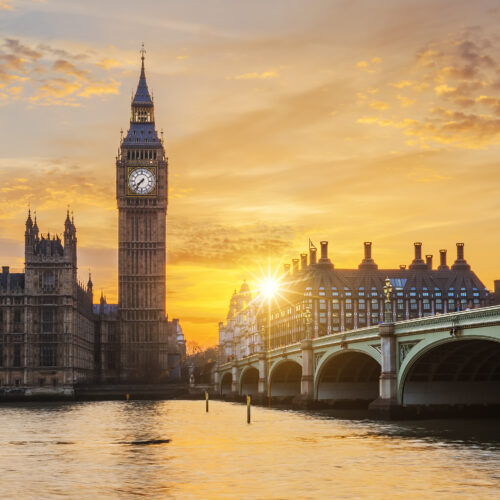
388, 300
307, 319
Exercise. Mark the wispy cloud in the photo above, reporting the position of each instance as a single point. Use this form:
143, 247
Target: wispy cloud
30, 72
265, 75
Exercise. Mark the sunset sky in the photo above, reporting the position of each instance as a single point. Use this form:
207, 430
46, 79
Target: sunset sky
284, 120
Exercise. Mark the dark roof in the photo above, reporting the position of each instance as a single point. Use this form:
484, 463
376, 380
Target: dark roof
49, 247
15, 281
142, 135
110, 310
407, 280
142, 96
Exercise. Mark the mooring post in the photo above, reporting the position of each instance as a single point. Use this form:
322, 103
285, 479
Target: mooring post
206, 401
249, 399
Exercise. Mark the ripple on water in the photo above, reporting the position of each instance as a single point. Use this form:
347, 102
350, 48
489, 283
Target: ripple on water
174, 449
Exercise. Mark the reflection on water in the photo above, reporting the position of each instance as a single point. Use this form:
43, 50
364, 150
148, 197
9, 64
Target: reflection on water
173, 449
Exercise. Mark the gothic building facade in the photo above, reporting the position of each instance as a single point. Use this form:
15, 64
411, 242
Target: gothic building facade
46, 319
337, 300
52, 336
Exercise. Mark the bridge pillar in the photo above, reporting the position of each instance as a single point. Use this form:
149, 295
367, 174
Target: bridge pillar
216, 381
234, 378
262, 388
386, 405
307, 381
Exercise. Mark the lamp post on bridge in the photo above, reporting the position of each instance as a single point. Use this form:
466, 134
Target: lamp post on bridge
307, 320
386, 405
388, 289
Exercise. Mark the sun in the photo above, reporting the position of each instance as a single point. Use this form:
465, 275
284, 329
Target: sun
269, 288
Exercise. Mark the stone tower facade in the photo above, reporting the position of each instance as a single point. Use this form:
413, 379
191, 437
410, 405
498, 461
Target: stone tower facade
46, 318
141, 193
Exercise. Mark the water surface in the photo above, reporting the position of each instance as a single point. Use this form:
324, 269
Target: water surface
173, 449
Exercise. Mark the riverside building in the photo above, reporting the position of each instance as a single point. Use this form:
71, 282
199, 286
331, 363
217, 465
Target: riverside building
52, 336
316, 299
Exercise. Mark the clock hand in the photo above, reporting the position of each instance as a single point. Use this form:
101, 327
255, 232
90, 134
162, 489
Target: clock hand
140, 182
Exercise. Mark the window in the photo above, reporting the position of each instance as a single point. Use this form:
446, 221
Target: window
1, 355
17, 355
48, 320
348, 304
335, 304
48, 355
17, 316
41, 382
48, 279
374, 304
361, 304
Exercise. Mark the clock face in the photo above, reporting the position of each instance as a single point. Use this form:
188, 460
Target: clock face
141, 181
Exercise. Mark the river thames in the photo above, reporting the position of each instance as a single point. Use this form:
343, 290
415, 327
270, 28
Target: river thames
173, 449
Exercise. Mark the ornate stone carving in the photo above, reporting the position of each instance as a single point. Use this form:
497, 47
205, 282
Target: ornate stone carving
404, 349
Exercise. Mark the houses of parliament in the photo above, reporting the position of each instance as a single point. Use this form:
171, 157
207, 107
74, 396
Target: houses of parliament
52, 335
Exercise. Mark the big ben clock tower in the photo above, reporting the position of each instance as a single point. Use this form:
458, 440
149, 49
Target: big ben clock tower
141, 192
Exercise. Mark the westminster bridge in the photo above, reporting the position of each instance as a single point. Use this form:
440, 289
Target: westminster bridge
445, 360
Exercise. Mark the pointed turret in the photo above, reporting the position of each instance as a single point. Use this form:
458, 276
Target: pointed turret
29, 222
29, 236
35, 229
142, 97
142, 130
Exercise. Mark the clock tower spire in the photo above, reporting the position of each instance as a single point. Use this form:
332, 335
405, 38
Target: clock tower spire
141, 193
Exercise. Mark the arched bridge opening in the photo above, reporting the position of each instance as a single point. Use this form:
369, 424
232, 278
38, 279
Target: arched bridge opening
285, 379
226, 384
349, 377
250, 381
460, 372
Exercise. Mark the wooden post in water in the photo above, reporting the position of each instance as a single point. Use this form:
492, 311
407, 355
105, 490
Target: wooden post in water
249, 398
206, 401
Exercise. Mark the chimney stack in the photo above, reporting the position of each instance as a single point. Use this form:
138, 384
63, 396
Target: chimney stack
325, 261
312, 256
368, 262
368, 250
303, 261
442, 260
418, 262
428, 261
295, 266
418, 250
324, 249
460, 263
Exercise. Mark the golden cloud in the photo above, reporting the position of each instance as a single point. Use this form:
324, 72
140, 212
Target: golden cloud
380, 105
64, 82
258, 76
70, 69
100, 88
6, 5
108, 63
